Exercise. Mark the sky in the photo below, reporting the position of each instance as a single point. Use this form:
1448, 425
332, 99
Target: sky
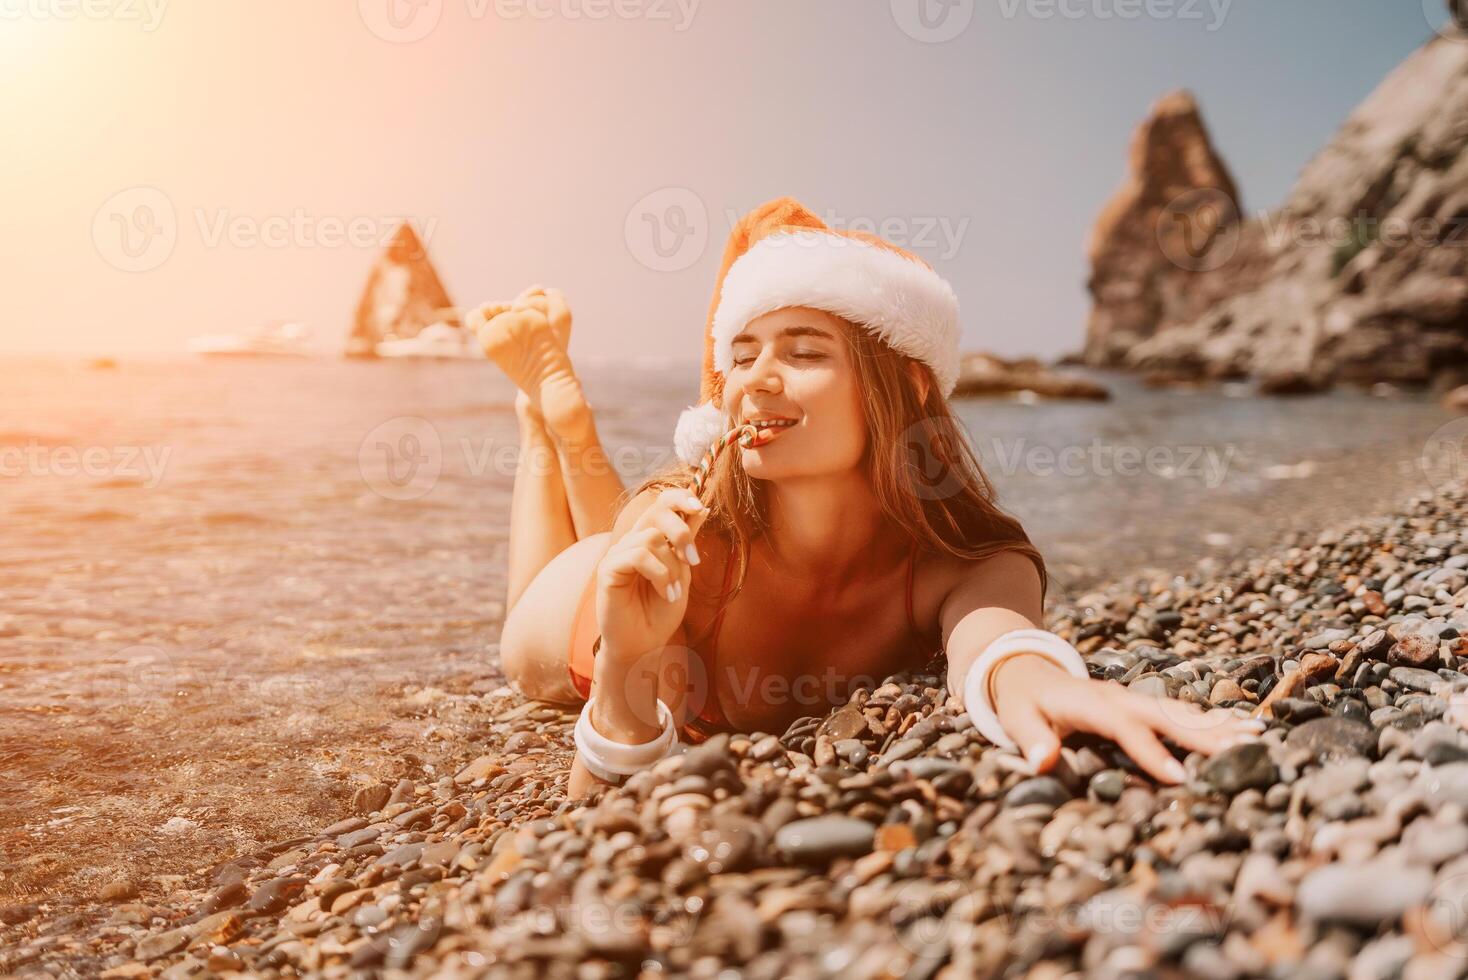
181, 167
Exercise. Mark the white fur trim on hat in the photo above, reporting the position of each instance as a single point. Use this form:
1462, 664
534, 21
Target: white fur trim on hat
907, 304
698, 428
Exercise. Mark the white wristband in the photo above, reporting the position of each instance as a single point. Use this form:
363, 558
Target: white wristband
609, 761
976, 681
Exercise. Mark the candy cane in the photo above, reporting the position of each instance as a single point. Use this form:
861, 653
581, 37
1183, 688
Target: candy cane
746, 435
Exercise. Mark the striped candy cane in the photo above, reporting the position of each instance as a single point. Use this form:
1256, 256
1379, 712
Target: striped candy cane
746, 435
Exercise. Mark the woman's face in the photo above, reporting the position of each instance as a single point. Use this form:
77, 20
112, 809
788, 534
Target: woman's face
796, 364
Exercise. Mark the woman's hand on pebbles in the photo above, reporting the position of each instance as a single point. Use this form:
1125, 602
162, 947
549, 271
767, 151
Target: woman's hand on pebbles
1038, 703
643, 580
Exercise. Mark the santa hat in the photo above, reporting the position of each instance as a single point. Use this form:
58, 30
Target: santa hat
781, 255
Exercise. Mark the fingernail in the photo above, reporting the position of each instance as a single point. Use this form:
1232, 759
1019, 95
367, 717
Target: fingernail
695, 503
1034, 754
672, 594
692, 554
1175, 770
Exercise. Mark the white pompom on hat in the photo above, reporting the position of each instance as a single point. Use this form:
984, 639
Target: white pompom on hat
781, 255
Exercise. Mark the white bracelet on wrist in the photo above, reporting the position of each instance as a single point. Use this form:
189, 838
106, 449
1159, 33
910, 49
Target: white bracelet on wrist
1006, 645
612, 761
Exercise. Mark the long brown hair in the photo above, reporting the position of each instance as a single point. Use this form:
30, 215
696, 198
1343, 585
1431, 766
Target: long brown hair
922, 470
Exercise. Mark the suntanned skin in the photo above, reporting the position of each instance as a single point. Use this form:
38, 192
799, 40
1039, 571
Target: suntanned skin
822, 604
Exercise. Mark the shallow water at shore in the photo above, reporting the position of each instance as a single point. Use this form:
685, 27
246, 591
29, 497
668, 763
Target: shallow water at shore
232, 590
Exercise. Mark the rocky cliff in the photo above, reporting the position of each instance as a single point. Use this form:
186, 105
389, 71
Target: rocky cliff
1361, 276
403, 295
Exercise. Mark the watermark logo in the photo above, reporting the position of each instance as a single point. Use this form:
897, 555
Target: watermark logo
679, 12
1449, 18
136, 230
1214, 12
942, 234
679, 676
140, 674
400, 21
667, 230
932, 918
925, 453
1444, 457
145, 464
933, 21
1206, 464
1444, 919
401, 459
1199, 231
148, 13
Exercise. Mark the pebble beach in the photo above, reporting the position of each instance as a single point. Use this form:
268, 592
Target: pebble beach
886, 838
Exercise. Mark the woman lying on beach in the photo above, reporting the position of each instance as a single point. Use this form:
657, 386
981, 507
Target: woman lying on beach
826, 556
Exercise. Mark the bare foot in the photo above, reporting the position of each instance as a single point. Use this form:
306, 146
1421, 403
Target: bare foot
551, 302
524, 345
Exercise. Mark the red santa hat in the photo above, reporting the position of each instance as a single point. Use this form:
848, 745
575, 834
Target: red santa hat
781, 255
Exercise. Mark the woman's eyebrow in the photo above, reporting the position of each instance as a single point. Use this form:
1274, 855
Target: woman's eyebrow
749, 338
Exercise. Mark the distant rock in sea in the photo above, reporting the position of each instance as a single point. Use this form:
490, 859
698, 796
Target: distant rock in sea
403, 295
1361, 277
1138, 285
986, 374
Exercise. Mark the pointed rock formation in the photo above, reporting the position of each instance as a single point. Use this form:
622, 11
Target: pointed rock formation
1362, 276
403, 295
1154, 238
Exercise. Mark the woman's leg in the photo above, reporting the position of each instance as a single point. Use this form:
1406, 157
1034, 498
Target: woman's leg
528, 339
540, 518
565, 491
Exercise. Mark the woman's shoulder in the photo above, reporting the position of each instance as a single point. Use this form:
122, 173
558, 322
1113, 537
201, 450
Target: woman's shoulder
938, 575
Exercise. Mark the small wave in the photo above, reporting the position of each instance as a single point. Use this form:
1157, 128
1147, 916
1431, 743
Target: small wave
16, 437
1286, 471
225, 517
104, 514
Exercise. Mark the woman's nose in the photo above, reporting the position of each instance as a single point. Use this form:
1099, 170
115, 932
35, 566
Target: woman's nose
766, 375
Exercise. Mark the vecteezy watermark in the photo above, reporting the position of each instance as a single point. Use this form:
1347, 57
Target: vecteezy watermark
148, 13
932, 21
1444, 457
137, 229
144, 463
667, 230
1211, 12
401, 459
1199, 231
917, 231
407, 21
300, 229
137, 674
1204, 463
596, 918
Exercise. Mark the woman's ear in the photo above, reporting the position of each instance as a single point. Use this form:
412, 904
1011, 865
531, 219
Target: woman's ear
919, 379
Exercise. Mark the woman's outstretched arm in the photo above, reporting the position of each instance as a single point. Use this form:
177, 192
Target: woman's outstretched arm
1038, 702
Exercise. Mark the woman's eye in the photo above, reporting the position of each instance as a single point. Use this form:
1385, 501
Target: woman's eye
808, 355
741, 361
